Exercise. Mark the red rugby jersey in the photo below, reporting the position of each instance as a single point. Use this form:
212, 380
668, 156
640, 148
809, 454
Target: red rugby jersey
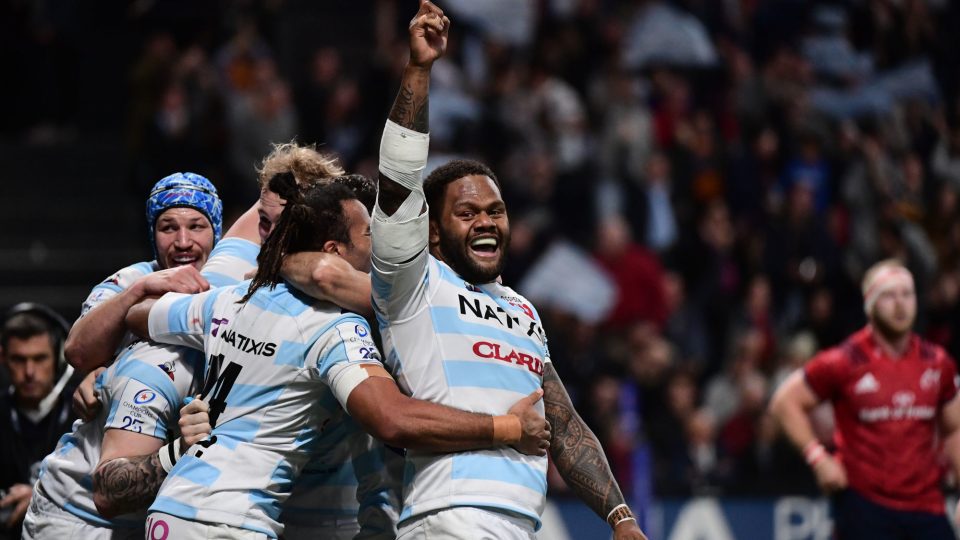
886, 416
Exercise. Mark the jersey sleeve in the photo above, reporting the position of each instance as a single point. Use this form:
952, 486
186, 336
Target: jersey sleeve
338, 356
825, 373
114, 285
142, 399
230, 261
948, 379
183, 319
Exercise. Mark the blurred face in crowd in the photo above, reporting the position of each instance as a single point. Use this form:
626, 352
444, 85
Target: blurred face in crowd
183, 236
474, 231
895, 309
32, 367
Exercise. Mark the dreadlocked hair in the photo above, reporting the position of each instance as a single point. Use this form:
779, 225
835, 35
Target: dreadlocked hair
312, 215
362, 186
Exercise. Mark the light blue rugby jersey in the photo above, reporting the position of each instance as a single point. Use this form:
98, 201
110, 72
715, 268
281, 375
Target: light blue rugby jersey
273, 367
478, 348
142, 391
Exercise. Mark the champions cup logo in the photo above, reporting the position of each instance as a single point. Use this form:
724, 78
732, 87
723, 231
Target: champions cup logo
360, 330
144, 396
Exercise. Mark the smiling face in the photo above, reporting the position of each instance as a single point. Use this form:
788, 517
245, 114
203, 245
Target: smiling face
183, 236
473, 231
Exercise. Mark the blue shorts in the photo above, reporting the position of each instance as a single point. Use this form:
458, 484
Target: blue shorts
856, 518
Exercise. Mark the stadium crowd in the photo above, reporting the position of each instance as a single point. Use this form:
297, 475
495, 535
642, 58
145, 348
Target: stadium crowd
716, 176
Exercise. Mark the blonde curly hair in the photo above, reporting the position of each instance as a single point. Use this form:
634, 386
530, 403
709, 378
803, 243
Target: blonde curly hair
306, 163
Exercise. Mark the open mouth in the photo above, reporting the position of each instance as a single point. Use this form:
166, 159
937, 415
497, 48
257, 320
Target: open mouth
485, 247
183, 260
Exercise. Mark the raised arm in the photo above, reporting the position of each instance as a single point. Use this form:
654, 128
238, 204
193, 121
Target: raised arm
428, 41
95, 337
404, 422
579, 458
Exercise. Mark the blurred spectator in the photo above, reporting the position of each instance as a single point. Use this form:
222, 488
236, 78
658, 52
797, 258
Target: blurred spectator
36, 410
636, 273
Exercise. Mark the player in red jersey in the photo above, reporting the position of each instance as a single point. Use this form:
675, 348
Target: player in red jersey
894, 397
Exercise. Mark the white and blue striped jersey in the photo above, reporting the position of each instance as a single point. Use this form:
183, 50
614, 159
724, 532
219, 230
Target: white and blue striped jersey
142, 391
116, 284
478, 348
275, 371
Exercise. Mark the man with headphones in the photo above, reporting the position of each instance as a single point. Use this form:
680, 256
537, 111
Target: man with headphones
35, 410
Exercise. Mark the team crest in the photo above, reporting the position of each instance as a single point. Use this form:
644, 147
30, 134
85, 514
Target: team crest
168, 368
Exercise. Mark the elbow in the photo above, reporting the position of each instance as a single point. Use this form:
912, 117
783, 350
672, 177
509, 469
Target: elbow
323, 277
77, 355
390, 432
102, 502
103, 506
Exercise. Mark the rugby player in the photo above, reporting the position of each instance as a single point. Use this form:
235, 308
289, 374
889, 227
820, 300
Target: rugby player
145, 386
184, 219
891, 391
281, 367
452, 334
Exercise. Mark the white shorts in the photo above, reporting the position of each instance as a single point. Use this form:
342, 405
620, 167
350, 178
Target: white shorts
466, 523
45, 520
166, 527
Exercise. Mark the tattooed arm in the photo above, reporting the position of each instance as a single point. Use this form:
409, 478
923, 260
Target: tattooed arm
579, 458
130, 473
428, 41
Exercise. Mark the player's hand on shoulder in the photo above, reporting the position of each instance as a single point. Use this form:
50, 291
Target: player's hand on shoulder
535, 429
429, 29
194, 422
831, 476
182, 279
86, 399
628, 530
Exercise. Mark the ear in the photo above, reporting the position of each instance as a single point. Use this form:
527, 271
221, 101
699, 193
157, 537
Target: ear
434, 233
331, 246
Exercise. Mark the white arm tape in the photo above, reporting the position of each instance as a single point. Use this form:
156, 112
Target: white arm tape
396, 242
347, 380
403, 155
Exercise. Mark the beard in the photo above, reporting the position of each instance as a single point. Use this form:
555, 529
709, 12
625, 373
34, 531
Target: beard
456, 254
890, 332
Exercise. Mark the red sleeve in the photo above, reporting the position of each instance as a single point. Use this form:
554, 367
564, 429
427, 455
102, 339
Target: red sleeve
948, 379
825, 373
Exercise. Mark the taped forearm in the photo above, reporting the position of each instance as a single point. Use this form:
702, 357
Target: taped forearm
396, 242
403, 155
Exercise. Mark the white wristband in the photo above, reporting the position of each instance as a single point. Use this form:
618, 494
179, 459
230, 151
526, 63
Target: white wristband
169, 454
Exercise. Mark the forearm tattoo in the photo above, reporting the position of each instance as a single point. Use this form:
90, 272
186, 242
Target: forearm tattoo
575, 450
129, 484
410, 110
